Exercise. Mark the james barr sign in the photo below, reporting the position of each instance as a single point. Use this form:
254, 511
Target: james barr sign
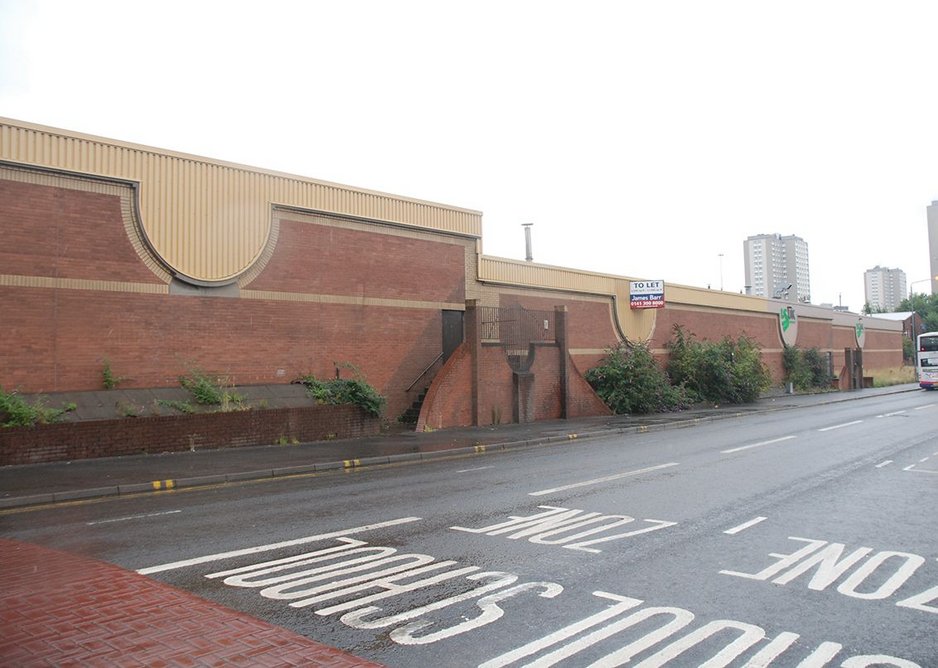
646, 294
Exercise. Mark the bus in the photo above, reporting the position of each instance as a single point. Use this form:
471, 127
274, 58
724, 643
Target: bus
926, 362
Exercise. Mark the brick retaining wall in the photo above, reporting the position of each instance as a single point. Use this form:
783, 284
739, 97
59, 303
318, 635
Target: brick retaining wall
175, 433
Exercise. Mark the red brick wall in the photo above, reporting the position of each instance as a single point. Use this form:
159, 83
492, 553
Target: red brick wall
582, 400
175, 433
449, 401
64, 233
879, 351
814, 334
58, 339
495, 386
590, 323
715, 325
324, 259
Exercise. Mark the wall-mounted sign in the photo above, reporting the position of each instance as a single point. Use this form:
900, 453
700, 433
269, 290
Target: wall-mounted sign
860, 331
788, 325
646, 294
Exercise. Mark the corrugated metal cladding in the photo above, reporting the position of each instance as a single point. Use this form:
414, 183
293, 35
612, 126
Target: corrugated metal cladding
210, 220
515, 272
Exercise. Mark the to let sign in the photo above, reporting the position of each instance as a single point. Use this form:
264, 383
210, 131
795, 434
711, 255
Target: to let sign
646, 294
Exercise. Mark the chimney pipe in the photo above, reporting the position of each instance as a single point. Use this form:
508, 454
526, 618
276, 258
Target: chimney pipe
527, 242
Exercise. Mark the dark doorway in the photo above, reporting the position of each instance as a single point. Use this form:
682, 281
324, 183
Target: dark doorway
452, 332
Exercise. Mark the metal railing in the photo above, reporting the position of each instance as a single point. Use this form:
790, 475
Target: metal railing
424, 372
516, 328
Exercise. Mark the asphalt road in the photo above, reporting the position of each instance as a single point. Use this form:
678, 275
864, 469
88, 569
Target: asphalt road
806, 537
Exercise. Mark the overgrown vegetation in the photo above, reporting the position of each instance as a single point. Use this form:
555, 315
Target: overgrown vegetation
925, 320
211, 390
108, 379
728, 371
629, 380
806, 369
181, 406
889, 377
15, 411
338, 391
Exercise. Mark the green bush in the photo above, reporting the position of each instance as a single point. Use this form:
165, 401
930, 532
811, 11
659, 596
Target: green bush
210, 391
108, 379
805, 369
15, 411
344, 391
629, 380
727, 371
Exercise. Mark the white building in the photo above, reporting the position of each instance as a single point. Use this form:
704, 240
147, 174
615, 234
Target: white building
884, 287
777, 266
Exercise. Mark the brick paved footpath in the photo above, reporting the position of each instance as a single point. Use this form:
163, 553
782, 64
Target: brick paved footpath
58, 609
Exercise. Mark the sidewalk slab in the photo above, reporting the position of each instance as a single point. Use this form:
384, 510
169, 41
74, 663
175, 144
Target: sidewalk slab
61, 609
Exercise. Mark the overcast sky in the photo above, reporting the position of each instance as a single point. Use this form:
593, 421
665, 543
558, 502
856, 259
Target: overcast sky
641, 138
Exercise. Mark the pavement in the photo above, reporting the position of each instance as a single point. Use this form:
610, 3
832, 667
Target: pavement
58, 609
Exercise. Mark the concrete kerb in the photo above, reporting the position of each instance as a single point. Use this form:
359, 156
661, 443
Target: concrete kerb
351, 464
23, 501
77, 494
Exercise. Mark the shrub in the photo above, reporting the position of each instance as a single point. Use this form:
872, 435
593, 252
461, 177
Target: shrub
108, 379
805, 369
726, 371
210, 391
629, 380
15, 411
344, 391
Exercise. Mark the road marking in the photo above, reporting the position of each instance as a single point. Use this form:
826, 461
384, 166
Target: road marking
596, 481
744, 526
921, 408
840, 426
478, 468
757, 445
132, 517
923, 460
915, 470
273, 546
885, 463
891, 414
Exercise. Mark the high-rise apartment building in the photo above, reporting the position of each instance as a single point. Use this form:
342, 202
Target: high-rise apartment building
777, 266
932, 213
885, 288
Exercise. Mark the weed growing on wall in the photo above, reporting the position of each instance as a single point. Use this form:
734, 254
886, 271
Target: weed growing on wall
15, 411
344, 391
183, 407
211, 390
629, 380
108, 379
